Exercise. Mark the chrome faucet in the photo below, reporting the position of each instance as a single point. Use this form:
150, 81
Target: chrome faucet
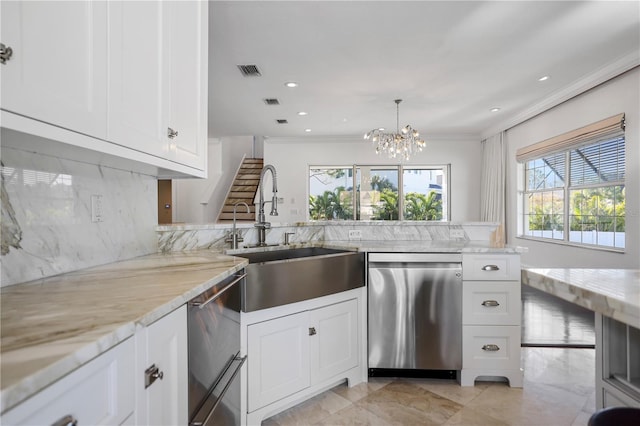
261, 223
235, 237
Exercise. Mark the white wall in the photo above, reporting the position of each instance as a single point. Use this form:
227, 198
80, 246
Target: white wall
619, 95
292, 158
200, 200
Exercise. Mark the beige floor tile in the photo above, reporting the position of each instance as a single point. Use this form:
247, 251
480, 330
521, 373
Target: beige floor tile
311, 411
402, 402
582, 419
354, 415
470, 417
359, 391
452, 390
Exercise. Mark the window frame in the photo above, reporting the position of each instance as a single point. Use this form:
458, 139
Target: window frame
444, 168
567, 190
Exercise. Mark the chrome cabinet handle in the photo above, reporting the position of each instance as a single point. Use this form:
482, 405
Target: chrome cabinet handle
172, 133
490, 268
312, 331
5, 54
490, 303
151, 374
491, 348
67, 420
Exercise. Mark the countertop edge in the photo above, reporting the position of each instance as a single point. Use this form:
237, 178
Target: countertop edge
622, 309
29, 386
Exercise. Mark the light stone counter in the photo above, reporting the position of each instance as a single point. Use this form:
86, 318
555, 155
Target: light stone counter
438, 246
614, 293
52, 326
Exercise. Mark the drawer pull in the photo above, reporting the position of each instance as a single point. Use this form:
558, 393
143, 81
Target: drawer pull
490, 268
490, 303
491, 348
67, 420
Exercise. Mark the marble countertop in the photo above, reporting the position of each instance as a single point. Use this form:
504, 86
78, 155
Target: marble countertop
50, 327
437, 246
614, 293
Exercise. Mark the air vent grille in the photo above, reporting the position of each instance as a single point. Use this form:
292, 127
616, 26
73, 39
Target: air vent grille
271, 101
282, 121
249, 70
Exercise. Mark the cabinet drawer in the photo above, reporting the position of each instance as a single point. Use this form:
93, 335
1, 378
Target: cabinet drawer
491, 267
491, 303
98, 393
491, 347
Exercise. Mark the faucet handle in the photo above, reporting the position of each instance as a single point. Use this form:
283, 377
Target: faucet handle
286, 237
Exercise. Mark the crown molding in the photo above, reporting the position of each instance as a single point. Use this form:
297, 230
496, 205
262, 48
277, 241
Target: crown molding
589, 81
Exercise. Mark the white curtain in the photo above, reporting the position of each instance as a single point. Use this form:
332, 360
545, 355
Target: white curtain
493, 183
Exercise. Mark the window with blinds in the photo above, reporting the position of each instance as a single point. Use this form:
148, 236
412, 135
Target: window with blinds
574, 186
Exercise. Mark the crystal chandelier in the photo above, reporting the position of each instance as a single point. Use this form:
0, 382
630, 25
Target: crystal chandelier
403, 143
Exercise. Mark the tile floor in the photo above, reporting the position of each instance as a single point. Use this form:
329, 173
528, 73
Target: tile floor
558, 391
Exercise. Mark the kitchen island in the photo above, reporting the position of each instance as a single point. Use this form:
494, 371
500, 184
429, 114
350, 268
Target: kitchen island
614, 296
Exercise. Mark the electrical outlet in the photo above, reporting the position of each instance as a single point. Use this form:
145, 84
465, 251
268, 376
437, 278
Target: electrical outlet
280, 200
96, 208
355, 234
456, 233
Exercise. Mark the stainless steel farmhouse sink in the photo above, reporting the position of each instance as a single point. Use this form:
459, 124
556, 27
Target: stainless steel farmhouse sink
279, 277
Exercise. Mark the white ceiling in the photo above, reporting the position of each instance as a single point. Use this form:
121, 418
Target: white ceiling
450, 62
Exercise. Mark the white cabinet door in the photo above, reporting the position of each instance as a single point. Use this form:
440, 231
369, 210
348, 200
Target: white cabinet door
58, 71
98, 393
187, 32
278, 359
138, 85
163, 344
334, 346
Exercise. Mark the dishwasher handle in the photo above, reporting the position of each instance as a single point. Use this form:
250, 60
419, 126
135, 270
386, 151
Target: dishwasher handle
415, 258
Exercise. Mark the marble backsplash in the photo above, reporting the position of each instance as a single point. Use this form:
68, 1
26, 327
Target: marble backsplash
193, 237
47, 227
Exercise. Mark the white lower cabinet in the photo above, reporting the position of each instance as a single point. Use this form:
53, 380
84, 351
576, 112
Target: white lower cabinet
161, 380
111, 389
289, 354
99, 393
278, 354
491, 316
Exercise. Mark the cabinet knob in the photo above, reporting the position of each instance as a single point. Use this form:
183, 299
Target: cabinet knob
5, 53
491, 348
67, 420
172, 133
490, 268
312, 331
151, 374
490, 303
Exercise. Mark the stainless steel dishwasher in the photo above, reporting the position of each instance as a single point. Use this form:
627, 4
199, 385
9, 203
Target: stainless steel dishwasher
415, 312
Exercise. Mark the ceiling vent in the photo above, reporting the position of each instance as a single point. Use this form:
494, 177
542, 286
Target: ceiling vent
282, 121
271, 101
249, 70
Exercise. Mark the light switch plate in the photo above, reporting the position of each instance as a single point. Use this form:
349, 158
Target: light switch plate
96, 208
355, 234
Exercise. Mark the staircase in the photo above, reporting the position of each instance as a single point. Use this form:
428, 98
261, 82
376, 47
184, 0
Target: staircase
243, 189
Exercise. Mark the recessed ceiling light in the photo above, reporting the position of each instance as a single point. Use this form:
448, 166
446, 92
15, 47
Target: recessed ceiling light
344, 120
307, 130
303, 113
381, 129
495, 109
543, 78
291, 84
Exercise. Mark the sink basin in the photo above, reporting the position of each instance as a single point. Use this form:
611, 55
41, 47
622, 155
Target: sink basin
279, 277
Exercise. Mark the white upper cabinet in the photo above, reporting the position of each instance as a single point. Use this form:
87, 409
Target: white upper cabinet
187, 46
138, 85
123, 78
157, 70
57, 72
